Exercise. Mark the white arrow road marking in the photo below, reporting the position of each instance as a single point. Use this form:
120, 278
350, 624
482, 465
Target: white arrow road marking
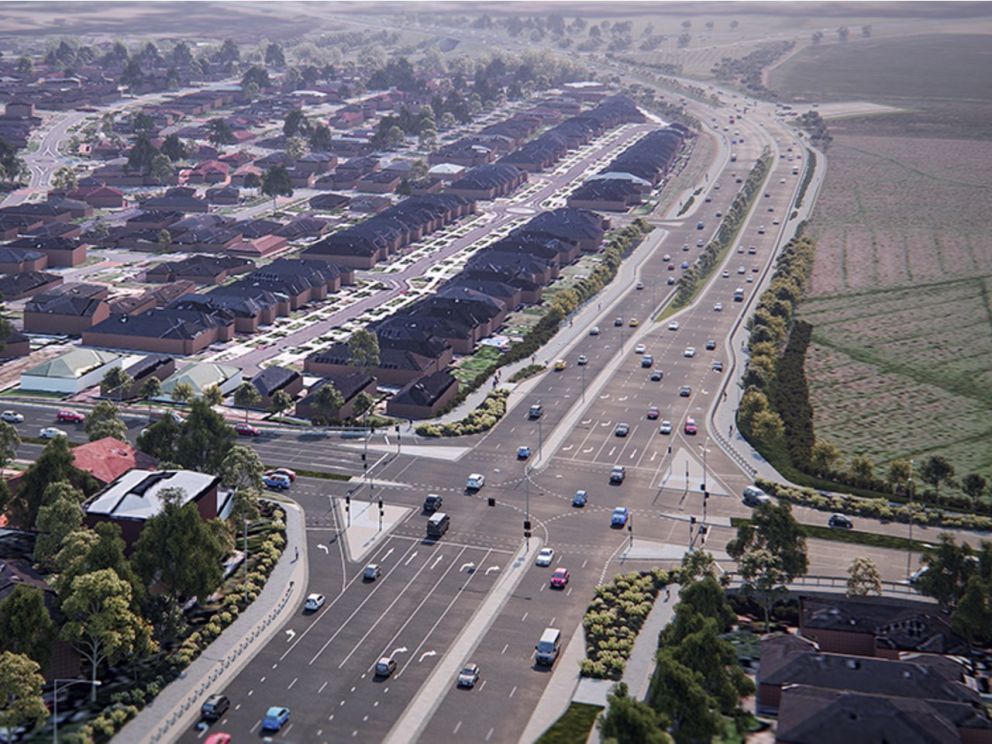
437, 560
426, 654
410, 558
566, 449
622, 398
467, 566
388, 553
632, 454
588, 450
290, 635
491, 568
586, 422
323, 547
604, 396
400, 650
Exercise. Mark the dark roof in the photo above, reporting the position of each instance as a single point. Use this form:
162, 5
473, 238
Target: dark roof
271, 379
79, 300
201, 265
9, 254
146, 365
45, 243
14, 285
160, 323
425, 391
567, 223
489, 176
349, 385
329, 201
302, 227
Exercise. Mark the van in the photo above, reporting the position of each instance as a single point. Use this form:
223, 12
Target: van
437, 525
754, 496
546, 650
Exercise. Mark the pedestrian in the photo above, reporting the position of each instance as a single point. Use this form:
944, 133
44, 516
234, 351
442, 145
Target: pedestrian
730, 431
668, 594
724, 394
297, 555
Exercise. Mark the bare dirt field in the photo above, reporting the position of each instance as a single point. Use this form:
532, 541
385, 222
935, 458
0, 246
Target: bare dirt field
901, 360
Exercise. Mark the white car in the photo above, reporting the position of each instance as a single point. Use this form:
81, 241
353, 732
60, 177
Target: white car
666, 427
725, 274
673, 326
594, 331
545, 557
314, 602
741, 270
475, 481
11, 417
50, 432
667, 257
718, 307
582, 360
690, 352
640, 349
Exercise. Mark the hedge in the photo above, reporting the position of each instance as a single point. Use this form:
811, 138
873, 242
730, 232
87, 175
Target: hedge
527, 372
483, 418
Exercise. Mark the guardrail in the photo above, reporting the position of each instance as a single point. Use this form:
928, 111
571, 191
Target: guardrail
893, 587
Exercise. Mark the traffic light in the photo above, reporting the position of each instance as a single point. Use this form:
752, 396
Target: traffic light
692, 520
381, 510
492, 501
397, 428
527, 524
347, 502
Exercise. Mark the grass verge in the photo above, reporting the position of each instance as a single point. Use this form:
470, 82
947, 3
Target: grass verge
315, 474
573, 726
854, 537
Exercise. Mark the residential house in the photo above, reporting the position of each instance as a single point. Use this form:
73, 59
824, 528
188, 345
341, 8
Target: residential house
201, 376
27, 284
423, 398
71, 372
161, 330
200, 269
61, 251
350, 385
108, 459
19, 260
68, 309
274, 379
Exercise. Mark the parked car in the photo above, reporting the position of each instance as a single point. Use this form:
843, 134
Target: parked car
11, 417
314, 602
65, 416
579, 499
244, 429
619, 516
468, 676
277, 482
275, 718
559, 579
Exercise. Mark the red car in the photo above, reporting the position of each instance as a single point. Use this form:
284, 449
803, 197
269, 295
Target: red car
247, 430
671, 267
690, 425
70, 417
653, 412
291, 474
559, 578
218, 738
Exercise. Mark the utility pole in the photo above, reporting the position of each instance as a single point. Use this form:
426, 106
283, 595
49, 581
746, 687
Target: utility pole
527, 507
245, 521
909, 548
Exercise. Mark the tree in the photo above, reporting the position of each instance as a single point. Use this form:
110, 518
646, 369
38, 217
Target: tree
974, 485
24, 67
61, 516
936, 470
100, 623
247, 396
242, 470
899, 474
179, 549
817, 37
163, 239
448, 121
295, 123
734, 24
21, 703
949, 567
252, 181
105, 421
972, 618
363, 349
629, 721
143, 123
54, 464
320, 138
863, 578
773, 527
707, 599
256, 76
363, 403
64, 179
182, 392
159, 439
862, 470
213, 395
677, 693
173, 148
86, 550
767, 426
866, 31
328, 402
10, 440
204, 439
151, 388
228, 53
274, 56
161, 168
219, 132
116, 381
394, 137
296, 148
141, 154
276, 182
716, 660
823, 457
762, 573
26, 627
281, 401
181, 55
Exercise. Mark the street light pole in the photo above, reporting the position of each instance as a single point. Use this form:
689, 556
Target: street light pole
909, 548
55, 700
540, 442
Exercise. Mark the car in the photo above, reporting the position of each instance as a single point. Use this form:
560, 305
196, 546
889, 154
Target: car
218, 738
559, 579
11, 417
755, 269
245, 429
523, 453
371, 572
276, 481
671, 267
685, 265
291, 474
749, 280
690, 426
65, 416
752, 250
741, 269
666, 427
761, 229
689, 352
621, 430
725, 274
639, 285
776, 221
545, 557
633, 322
839, 521
619, 516
657, 376
433, 502
475, 481
580, 498
468, 676
767, 195
214, 707
708, 199
50, 432
535, 411
718, 366
671, 280
594, 331
781, 180
314, 602
560, 365
646, 361
275, 718
718, 214
685, 246
640, 349
582, 361
740, 249
652, 412
699, 243
710, 344
667, 257
617, 474
685, 391
617, 322
700, 225
718, 307
673, 326
385, 666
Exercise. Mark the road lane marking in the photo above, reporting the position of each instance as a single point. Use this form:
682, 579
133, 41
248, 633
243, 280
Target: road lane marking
457, 727
436, 561
513, 691
255, 726
290, 686
524, 618
410, 559
322, 688
500, 653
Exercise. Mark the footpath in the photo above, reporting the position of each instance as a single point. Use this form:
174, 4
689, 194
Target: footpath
178, 705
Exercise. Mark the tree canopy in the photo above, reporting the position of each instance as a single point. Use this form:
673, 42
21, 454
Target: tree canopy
21, 703
26, 626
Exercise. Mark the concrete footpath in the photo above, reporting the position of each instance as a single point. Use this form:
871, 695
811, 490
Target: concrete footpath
178, 705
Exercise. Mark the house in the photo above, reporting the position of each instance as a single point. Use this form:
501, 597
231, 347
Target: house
273, 379
608, 195
108, 459
213, 172
224, 195
350, 385
149, 299
201, 376
488, 182
161, 330
347, 174
580, 227
383, 182
178, 199
200, 269
19, 260
27, 284
329, 202
446, 172
71, 372
61, 251
136, 497
259, 247
159, 366
423, 398
303, 227
14, 345
68, 309
100, 197
405, 354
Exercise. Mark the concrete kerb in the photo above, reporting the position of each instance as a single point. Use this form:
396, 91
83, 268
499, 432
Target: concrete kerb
178, 705
419, 711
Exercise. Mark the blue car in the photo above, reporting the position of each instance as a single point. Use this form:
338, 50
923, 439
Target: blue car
619, 516
523, 453
579, 499
277, 481
275, 718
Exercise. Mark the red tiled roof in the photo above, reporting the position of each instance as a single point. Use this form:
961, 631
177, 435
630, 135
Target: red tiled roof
107, 459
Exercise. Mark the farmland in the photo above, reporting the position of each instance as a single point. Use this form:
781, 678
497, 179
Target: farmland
901, 360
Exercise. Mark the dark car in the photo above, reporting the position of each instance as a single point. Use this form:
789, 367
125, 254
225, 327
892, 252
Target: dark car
685, 391
839, 521
214, 707
657, 375
432, 503
622, 430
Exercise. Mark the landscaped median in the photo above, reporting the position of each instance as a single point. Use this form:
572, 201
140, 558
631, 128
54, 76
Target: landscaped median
854, 537
481, 419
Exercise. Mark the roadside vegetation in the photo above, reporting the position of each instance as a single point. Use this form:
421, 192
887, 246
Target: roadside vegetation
483, 418
525, 373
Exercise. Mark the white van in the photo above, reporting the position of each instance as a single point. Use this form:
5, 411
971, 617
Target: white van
546, 650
